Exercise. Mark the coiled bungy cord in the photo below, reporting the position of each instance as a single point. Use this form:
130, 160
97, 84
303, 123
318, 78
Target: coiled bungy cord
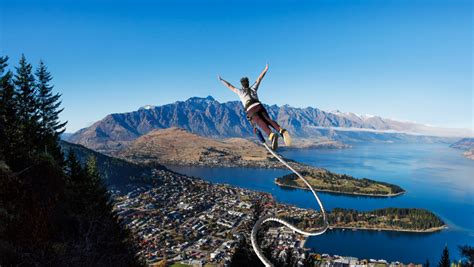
270, 218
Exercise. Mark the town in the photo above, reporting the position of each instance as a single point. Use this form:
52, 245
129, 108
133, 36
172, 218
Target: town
187, 219
182, 219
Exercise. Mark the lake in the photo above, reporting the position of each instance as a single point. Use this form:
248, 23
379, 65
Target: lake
435, 176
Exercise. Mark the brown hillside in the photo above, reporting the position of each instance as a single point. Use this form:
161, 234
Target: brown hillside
177, 146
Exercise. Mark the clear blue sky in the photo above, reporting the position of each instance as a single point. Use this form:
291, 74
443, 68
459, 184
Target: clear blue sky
408, 60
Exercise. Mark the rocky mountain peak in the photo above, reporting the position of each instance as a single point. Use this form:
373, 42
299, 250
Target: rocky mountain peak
211, 118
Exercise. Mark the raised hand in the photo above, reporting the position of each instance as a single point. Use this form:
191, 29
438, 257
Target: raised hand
259, 79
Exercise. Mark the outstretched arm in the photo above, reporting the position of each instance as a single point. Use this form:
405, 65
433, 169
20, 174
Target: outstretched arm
257, 83
226, 83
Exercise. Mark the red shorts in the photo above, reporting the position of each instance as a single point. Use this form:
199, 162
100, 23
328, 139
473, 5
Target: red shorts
258, 115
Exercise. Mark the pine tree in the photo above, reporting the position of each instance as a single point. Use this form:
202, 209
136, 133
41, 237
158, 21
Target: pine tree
74, 169
444, 262
49, 109
10, 137
56, 215
93, 172
94, 184
27, 105
26, 92
3, 65
88, 198
49, 103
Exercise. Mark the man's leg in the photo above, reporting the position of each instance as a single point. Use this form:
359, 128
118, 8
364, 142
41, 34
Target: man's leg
257, 118
276, 126
271, 122
261, 123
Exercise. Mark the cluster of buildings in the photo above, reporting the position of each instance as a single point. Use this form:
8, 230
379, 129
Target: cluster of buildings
186, 219
326, 260
193, 222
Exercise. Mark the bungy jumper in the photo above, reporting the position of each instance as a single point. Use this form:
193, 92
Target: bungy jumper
249, 98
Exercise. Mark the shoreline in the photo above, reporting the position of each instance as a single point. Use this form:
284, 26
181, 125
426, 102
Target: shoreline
278, 183
225, 165
339, 192
429, 230
303, 242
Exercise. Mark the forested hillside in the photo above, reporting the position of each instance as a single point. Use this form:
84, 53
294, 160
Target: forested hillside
53, 212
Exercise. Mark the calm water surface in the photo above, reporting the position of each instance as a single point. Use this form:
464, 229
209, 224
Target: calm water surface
435, 177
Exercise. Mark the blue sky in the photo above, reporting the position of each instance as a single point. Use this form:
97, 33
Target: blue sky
408, 60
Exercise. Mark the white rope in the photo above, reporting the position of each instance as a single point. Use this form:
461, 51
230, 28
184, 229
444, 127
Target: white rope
258, 224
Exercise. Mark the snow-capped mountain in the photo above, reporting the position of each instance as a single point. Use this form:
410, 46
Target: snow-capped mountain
208, 117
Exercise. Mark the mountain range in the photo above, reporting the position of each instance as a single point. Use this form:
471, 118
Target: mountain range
211, 118
466, 144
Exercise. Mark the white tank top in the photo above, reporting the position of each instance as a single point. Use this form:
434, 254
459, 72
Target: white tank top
247, 96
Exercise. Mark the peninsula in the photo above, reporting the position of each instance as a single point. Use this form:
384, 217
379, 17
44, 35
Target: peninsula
175, 146
326, 181
387, 219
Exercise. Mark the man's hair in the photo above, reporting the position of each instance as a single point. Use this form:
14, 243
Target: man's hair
245, 82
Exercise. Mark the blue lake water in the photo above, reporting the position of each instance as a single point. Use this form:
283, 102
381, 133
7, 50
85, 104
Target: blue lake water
435, 177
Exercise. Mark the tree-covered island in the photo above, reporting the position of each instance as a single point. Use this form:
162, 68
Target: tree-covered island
323, 180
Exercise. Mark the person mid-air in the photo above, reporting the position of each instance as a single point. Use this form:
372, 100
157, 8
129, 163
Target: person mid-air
256, 112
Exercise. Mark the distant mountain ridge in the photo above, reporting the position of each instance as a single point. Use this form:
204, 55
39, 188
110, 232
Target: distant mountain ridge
210, 118
464, 144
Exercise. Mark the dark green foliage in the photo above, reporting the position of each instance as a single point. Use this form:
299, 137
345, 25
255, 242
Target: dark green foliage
74, 169
27, 107
467, 253
29, 114
244, 254
9, 128
444, 261
3, 65
26, 91
98, 239
49, 109
338, 183
290, 260
116, 173
50, 219
309, 261
31, 199
405, 218
48, 103
50, 214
